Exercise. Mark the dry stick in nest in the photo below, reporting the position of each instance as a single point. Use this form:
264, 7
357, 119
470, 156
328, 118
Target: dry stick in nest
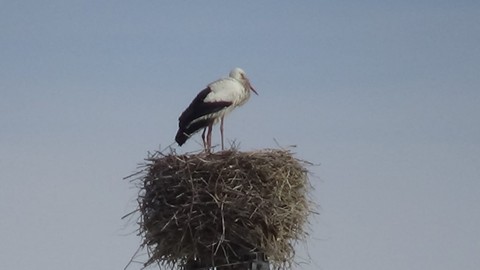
215, 209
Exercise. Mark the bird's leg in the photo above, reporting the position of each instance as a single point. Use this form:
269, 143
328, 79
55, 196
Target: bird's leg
209, 138
204, 140
221, 131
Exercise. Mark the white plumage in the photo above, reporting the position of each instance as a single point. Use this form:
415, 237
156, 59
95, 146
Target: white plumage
212, 104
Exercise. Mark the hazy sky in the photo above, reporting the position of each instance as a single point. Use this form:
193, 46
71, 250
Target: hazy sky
384, 95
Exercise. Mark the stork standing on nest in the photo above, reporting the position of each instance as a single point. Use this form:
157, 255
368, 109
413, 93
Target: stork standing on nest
211, 105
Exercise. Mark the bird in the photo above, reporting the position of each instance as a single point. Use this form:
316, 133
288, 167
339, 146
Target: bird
211, 105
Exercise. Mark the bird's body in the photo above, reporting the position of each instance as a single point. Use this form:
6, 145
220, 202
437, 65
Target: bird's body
212, 104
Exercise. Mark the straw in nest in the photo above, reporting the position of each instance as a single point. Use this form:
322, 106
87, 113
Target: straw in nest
214, 210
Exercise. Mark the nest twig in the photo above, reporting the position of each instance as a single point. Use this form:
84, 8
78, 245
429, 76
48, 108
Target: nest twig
214, 210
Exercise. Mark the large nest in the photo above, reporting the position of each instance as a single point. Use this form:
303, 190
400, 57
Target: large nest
213, 210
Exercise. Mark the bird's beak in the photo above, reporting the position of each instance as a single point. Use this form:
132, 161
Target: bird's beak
253, 89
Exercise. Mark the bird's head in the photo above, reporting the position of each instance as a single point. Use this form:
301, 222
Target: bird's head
239, 75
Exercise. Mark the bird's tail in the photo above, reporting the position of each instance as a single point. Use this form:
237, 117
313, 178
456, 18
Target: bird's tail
181, 137
186, 131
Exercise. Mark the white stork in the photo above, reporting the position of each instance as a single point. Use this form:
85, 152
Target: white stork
211, 105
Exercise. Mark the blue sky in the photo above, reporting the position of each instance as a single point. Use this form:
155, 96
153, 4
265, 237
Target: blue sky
384, 95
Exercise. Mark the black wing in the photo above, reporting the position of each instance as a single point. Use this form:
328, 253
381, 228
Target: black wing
197, 109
